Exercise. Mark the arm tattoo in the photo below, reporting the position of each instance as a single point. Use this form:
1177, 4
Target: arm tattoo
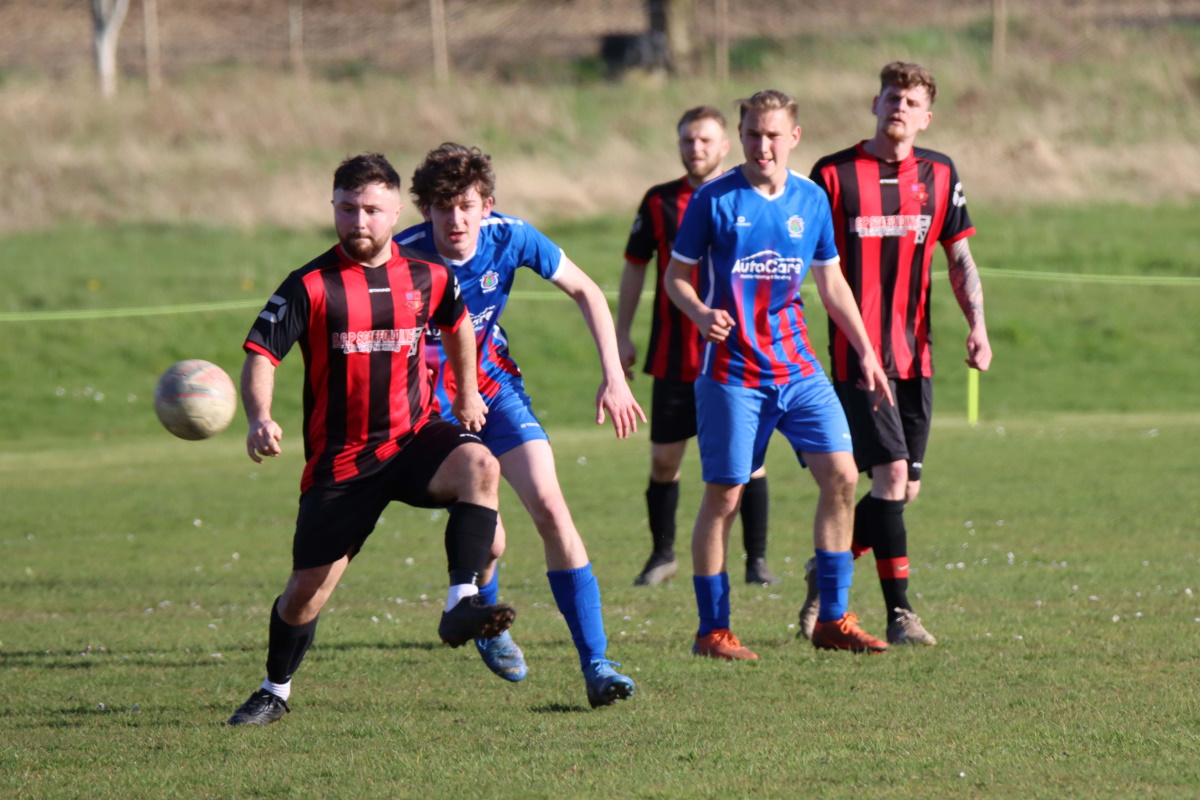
964, 279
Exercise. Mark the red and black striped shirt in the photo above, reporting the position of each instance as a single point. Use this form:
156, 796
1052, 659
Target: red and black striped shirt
887, 217
674, 351
367, 390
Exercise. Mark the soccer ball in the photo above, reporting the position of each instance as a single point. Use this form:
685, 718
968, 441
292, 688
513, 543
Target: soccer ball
195, 399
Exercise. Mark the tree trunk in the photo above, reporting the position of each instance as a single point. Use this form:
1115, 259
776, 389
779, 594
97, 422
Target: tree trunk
680, 14
151, 42
107, 18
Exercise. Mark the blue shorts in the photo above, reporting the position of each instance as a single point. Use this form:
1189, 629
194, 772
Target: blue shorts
734, 424
510, 420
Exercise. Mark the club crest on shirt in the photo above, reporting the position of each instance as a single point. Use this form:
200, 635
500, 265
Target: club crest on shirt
919, 193
489, 281
412, 301
795, 226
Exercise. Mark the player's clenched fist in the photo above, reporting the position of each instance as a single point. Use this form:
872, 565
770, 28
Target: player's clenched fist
263, 440
715, 325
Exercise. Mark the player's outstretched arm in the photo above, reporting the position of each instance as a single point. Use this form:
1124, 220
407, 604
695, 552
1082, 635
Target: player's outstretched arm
614, 396
258, 390
715, 324
633, 278
467, 407
838, 298
964, 279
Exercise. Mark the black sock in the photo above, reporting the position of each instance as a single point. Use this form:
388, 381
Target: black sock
469, 536
662, 500
891, 554
286, 646
866, 523
754, 518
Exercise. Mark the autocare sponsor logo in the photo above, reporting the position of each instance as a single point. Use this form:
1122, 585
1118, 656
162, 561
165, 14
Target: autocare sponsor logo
489, 281
381, 341
769, 266
899, 225
483, 318
795, 226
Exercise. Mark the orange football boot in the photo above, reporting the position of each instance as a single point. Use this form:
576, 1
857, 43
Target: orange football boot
721, 643
844, 634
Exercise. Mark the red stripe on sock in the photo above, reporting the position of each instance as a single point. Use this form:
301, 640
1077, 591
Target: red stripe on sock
857, 549
892, 568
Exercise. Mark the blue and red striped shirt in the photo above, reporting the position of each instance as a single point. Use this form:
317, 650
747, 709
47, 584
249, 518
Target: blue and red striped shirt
486, 278
758, 250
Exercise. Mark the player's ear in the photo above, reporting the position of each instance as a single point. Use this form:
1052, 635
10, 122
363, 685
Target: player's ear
425, 213
875, 105
488, 205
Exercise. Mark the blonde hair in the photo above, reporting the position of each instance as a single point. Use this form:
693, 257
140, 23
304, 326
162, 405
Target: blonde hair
768, 100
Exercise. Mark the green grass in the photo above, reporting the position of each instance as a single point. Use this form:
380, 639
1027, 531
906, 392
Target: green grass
135, 618
1053, 546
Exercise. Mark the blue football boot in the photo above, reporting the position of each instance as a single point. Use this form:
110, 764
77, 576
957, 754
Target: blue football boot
604, 685
503, 657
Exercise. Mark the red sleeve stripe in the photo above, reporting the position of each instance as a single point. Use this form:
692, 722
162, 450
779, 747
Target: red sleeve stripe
251, 347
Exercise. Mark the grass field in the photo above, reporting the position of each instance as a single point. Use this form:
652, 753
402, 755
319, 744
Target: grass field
1053, 546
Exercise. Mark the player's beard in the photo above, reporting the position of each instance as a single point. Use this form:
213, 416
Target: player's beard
363, 248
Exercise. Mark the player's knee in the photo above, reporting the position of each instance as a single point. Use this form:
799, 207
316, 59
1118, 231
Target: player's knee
663, 470
723, 502
550, 515
481, 469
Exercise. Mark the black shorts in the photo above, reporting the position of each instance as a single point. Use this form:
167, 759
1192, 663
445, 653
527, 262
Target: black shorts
672, 411
898, 433
335, 520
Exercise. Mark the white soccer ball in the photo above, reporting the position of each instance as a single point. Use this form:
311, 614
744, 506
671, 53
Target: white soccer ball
195, 399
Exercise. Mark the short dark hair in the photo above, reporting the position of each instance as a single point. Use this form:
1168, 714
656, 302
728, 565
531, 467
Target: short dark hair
906, 75
768, 100
358, 171
449, 171
699, 113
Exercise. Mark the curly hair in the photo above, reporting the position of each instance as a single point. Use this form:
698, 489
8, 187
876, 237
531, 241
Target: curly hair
449, 171
906, 75
356, 172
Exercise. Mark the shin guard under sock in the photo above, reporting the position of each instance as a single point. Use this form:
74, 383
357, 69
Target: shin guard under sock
891, 555
712, 602
834, 573
286, 646
662, 501
469, 535
754, 518
577, 594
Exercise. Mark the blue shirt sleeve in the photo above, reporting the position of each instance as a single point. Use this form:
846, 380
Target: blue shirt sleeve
536, 251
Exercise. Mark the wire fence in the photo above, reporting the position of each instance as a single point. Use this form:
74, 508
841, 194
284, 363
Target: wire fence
510, 38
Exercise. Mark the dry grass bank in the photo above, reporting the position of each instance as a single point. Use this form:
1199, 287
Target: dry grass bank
240, 147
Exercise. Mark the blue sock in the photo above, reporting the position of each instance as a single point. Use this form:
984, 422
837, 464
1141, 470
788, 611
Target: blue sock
490, 592
578, 597
834, 573
712, 601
